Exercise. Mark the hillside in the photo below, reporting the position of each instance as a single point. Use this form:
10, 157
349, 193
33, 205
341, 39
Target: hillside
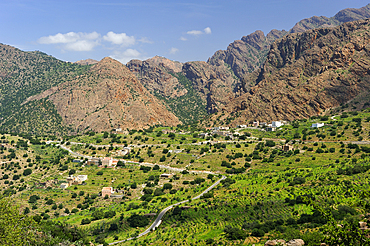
108, 96
248, 54
229, 73
43, 95
24, 74
307, 74
268, 193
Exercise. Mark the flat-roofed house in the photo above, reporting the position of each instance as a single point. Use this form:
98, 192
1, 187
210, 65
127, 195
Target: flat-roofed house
107, 191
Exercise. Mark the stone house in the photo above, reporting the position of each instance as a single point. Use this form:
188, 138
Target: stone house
107, 191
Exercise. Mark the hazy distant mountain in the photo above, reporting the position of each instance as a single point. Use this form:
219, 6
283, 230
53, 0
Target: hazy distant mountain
87, 62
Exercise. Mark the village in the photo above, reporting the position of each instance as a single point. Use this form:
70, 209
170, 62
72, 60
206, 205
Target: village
110, 162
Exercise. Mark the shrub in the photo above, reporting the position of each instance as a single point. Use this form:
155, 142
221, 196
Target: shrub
27, 172
156, 167
234, 233
85, 221
167, 186
136, 220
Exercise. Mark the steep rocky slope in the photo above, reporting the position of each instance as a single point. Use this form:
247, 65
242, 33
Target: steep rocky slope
248, 54
217, 84
24, 74
308, 73
157, 74
345, 15
164, 79
228, 73
108, 96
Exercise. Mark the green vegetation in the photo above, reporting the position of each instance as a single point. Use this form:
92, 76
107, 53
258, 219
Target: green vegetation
27, 74
268, 193
189, 107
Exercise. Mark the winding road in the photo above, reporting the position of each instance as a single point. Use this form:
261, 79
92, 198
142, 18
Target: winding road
158, 220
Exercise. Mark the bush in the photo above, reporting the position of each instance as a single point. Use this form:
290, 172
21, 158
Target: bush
71, 172
136, 220
85, 221
156, 167
113, 227
270, 143
319, 151
167, 186
27, 172
234, 233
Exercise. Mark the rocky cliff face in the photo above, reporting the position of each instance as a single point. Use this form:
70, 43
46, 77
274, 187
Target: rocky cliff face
164, 79
216, 84
248, 54
157, 75
345, 15
308, 73
109, 96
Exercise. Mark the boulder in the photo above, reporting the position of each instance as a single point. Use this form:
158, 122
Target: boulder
275, 242
295, 242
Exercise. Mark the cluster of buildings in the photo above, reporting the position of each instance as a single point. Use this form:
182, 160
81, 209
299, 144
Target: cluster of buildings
73, 180
108, 162
219, 130
269, 127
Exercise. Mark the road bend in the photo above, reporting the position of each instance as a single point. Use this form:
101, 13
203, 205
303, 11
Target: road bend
158, 220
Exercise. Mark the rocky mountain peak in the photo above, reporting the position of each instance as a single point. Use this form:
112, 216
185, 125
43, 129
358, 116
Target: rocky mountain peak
255, 39
110, 66
87, 62
172, 66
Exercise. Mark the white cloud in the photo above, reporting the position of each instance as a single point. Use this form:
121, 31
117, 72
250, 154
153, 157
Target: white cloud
194, 32
80, 41
120, 38
183, 39
128, 55
73, 41
81, 45
207, 30
68, 37
173, 50
145, 40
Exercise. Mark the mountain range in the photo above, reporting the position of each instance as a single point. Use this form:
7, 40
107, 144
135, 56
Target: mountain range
318, 65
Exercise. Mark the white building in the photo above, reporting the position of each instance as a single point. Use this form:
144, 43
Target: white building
317, 125
276, 124
82, 178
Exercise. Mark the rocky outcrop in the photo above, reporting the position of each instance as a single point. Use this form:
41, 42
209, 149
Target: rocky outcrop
107, 97
246, 55
308, 73
345, 15
157, 75
216, 84
87, 62
293, 242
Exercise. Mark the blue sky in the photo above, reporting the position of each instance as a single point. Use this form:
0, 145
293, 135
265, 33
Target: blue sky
140, 29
